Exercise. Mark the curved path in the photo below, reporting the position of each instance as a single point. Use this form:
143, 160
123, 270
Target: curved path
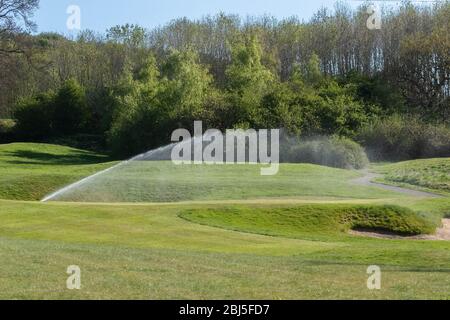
367, 180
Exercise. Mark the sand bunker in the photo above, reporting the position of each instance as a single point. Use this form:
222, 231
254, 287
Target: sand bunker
442, 234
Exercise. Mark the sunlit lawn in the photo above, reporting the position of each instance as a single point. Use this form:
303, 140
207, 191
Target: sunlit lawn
292, 243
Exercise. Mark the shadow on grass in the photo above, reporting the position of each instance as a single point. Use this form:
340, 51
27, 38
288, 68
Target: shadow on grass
43, 158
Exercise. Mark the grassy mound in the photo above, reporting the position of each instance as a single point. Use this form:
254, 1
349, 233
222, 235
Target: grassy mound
29, 171
313, 220
433, 174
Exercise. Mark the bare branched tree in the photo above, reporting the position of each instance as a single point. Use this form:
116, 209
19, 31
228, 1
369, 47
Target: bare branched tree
15, 18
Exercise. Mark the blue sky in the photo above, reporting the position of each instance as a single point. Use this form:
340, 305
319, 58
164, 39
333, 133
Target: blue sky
99, 15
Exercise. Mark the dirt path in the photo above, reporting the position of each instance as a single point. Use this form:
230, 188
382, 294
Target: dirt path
367, 180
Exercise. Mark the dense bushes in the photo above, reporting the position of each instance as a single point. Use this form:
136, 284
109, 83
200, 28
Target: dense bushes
156, 102
146, 103
141, 109
70, 113
181, 90
34, 117
333, 152
52, 114
136, 86
404, 138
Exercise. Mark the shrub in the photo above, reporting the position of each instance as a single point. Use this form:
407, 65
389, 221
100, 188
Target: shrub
333, 152
48, 114
405, 138
129, 134
34, 117
70, 112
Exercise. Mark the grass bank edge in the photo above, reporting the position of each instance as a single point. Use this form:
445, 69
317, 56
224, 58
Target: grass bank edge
298, 221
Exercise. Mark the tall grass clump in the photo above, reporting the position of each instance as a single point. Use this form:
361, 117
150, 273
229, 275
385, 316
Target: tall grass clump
336, 152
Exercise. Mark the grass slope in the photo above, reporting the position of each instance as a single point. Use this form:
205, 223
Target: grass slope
430, 174
29, 171
314, 221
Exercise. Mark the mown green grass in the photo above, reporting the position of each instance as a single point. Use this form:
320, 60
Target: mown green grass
269, 248
30, 171
430, 174
37, 270
145, 251
163, 181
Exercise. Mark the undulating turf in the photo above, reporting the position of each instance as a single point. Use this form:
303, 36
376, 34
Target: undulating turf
29, 171
271, 248
156, 181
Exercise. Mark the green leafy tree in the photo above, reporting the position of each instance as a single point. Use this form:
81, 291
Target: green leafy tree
314, 76
160, 103
279, 110
71, 114
185, 86
128, 34
248, 80
133, 127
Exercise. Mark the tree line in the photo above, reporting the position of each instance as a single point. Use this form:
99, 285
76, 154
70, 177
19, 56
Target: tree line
330, 75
